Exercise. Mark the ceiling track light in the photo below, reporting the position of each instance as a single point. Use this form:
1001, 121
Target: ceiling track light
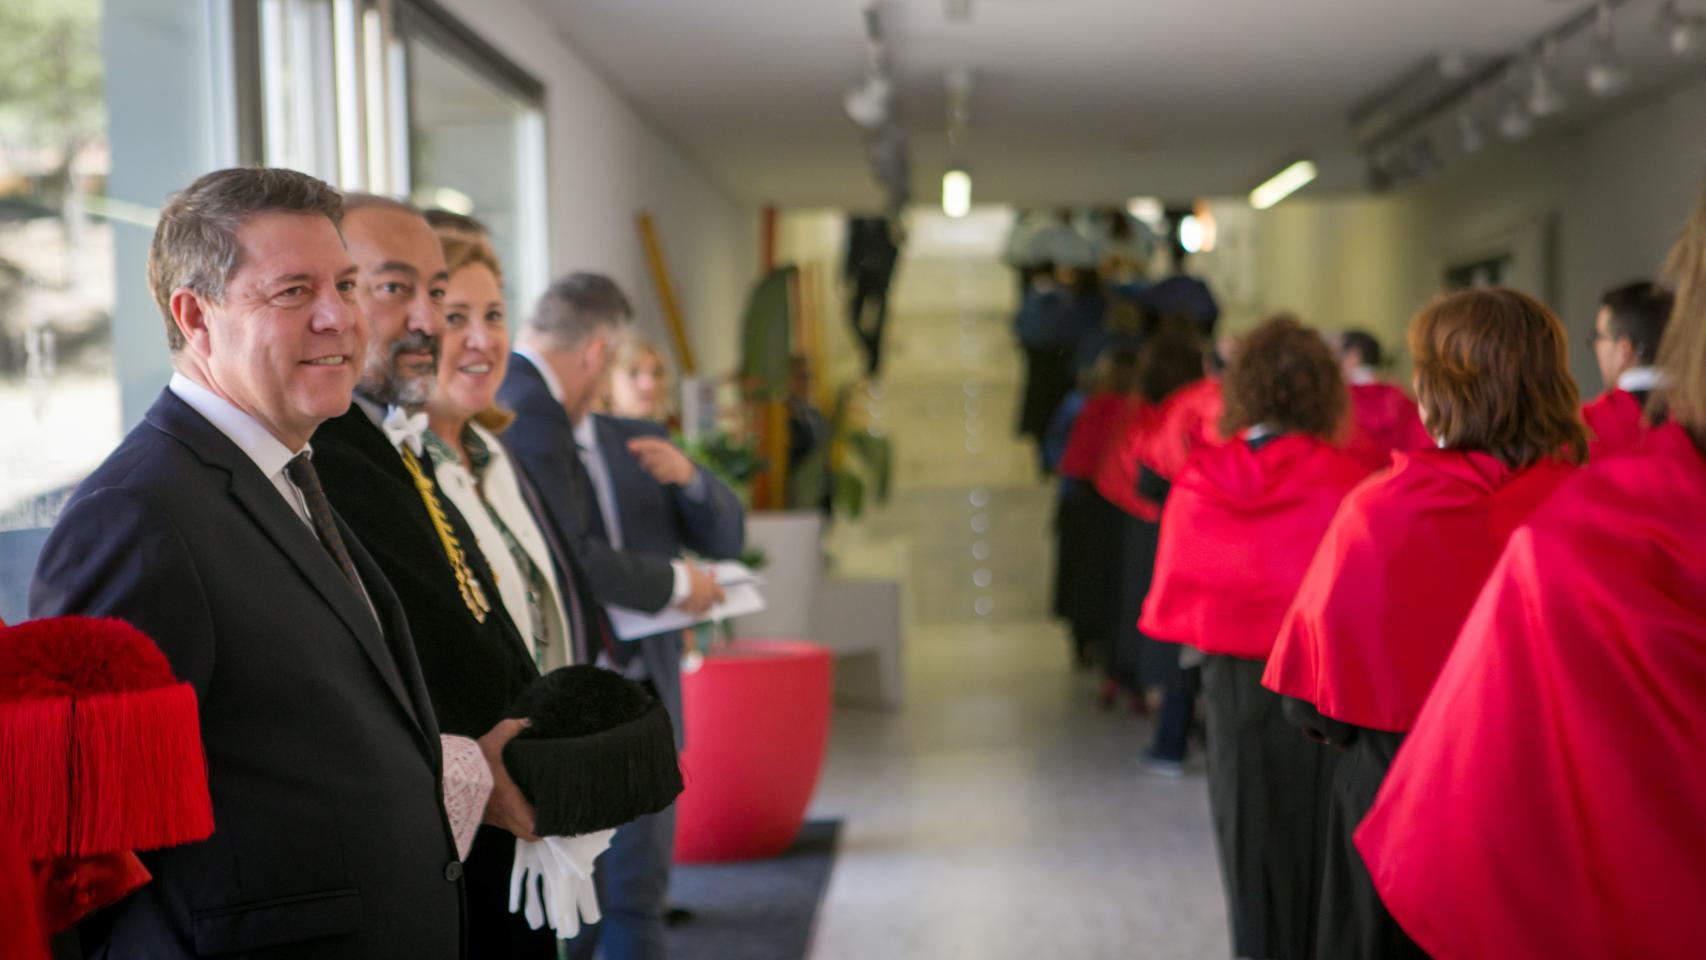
1545, 97
1607, 75
1469, 130
1683, 33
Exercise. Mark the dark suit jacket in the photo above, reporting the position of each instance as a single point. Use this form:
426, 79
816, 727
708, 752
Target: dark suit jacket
473, 670
330, 839
542, 440
659, 521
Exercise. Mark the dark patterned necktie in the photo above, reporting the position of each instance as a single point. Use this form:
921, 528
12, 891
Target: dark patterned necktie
301, 472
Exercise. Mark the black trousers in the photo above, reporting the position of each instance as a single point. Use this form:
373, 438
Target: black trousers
1268, 789
870, 296
1355, 925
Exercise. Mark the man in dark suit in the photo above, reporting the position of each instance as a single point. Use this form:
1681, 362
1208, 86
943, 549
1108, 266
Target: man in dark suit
627, 501
379, 478
656, 503
207, 528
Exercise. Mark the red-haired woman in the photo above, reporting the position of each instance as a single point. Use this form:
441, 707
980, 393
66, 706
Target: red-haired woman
1241, 521
1393, 581
1566, 820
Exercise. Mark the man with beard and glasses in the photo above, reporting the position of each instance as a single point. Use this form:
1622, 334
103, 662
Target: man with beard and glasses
376, 473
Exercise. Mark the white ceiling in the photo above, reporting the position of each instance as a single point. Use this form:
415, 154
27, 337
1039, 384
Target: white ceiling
1072, 100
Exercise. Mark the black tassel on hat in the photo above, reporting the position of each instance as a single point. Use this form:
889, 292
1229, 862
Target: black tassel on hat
599, 751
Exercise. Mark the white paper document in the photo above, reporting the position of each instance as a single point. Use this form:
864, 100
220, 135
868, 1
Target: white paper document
740, 598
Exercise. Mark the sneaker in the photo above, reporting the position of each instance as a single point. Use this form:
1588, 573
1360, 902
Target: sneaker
1161, 766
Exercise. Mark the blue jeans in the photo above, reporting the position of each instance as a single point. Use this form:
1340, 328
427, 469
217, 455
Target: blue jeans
1178, 708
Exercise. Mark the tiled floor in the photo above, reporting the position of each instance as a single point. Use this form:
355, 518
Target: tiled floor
997, 814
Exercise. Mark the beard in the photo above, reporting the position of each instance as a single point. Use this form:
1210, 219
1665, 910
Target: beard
382, 381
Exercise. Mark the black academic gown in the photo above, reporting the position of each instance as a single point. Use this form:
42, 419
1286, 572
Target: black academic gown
1267, 786
1354, 924
473, 670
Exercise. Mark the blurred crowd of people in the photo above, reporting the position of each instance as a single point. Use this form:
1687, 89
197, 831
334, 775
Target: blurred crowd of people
1443, 642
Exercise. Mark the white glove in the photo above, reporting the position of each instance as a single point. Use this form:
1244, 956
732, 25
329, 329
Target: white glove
525, 877
556, 873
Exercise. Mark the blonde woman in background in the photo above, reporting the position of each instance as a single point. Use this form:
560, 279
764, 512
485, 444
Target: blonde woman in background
472, 466
639, 387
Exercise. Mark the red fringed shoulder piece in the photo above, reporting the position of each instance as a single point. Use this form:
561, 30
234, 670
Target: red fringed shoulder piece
1237, 533
1548, 803
63, 655
21, 930
1388, 590
1614, 421
101, 745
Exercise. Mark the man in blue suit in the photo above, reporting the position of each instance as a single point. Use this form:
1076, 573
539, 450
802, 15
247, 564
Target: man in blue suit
628, 502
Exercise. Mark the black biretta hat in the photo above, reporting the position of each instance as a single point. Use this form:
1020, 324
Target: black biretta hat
599, 751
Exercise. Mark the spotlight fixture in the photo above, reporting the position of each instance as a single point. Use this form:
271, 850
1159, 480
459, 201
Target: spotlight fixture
1545, 99
1283, 184
1607, 74
868, 103
956, 192
1469, 131
1514, 121
1683, 33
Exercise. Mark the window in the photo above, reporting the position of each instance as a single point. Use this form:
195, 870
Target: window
477, 141
58, 395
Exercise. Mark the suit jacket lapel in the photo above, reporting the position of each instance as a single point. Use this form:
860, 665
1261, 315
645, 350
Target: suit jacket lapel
256, 494
624, 473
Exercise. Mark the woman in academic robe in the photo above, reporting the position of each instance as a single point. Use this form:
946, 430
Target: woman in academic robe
472, 465
1568, 821
1171, 360
1241, 522
1388, 590
1083, 521
1383, 417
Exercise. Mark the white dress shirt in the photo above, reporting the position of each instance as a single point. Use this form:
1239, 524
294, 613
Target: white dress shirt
1636, 379
267, 452
500, 492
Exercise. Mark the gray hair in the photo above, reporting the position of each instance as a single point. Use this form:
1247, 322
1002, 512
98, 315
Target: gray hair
578, 306
195, 241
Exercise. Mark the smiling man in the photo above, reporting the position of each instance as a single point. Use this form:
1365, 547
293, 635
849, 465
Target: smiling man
379, 477
208, 529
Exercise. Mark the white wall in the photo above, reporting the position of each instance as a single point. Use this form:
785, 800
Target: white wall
605, 164
1584, 210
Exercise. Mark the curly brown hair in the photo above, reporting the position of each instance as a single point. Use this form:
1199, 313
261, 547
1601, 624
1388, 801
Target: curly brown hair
1493, 374
1285, 376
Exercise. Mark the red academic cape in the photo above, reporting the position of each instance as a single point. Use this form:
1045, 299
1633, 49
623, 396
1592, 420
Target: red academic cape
1239, 528
1091, 433
1123, 457
1190, 418
1384, 419
1394, 578
1614, 423
1550, 800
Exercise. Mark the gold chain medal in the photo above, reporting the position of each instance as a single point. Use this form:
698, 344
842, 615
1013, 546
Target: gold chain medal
472, 594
